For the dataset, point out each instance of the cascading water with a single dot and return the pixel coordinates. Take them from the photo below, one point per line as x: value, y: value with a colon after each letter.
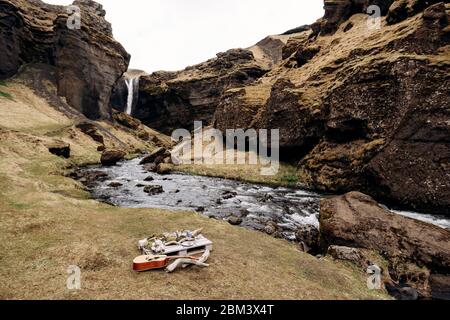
x: 133, y: 88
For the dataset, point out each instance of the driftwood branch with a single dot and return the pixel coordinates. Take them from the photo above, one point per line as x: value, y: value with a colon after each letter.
x: 179, y: 262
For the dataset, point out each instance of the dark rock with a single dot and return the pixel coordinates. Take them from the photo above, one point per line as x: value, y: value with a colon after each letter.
x: 353, y: 255
x: 150, y: 167
x: 298, y: 30
x: 304, y: 55
x: 91, y: 130
x: 140, y: 185
x: 226, y: 195
x: 60, y: 149
x: 308, y: 237
x: 153, y: 190
x: 149, y: 178
x: 91, y: 178
x: 200, y: 209
x: 348, y: 26
x: 338, y: 11
x: 399, y: 239
x: 400, y: 10
x: 235, y: 221
x: 101, y: 148
x: 402, y: 292
x: 111, y: 157
x: 152, y: 157
x: 271, y: 228
x: 115, y: 184
x: 163, y: 169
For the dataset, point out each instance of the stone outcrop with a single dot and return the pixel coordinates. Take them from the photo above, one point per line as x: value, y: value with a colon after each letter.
x: 356, y: 220
x: 418, y: 254
x: 88, y: 60
x: 111, y: 157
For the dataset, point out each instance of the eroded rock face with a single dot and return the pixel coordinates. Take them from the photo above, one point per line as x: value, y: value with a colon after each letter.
x: 356, y: 220
x: 172, y: 100
x: 89, y: 61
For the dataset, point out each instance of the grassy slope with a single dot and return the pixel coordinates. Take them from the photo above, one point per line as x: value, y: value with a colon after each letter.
x: 47, y: 222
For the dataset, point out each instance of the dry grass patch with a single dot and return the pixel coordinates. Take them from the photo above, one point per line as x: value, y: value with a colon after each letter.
x: 47, y: 223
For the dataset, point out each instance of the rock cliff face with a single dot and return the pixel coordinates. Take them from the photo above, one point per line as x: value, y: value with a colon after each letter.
x: 88, y: 60
x: 361, y: 109
x: 172, y: 100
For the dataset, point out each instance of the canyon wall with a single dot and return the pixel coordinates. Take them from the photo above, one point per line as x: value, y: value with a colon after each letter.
x: 88, y: 60
x: 358, y: 108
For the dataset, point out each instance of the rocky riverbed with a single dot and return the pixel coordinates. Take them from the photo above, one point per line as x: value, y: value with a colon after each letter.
x: 278, y: 211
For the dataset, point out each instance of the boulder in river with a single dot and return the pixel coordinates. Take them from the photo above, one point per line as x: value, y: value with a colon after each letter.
x: 91, y: 129
x: 154, y: 155
x: 111, y: 157
x: 163, y: 168
x: 90, y: 178
x: 115, y: 184
x: 414, y: 249
x: 235, y: 221
x: 153, y: 190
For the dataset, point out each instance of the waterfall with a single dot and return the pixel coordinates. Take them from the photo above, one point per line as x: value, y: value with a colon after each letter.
x: 133, y: 90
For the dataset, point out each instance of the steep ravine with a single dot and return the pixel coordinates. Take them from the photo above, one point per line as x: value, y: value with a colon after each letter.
x: 357, y: 108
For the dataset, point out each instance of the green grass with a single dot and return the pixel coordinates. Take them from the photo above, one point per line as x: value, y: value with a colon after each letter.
x: 5, y: 95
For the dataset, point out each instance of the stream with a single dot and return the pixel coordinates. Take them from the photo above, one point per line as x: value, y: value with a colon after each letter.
x: 253, y: 206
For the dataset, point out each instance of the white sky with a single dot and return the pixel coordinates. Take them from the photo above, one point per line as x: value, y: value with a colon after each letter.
x: 173, y: 34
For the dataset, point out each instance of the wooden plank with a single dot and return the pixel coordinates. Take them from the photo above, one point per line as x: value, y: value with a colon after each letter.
x: 199, y: 243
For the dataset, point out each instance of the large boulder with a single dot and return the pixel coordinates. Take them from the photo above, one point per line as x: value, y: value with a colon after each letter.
x: 356, y: 220
x: 153, y: 190
x: 157, y: 154
x: 88, y: 60
x: 111, y: 157
x: 338, y: 11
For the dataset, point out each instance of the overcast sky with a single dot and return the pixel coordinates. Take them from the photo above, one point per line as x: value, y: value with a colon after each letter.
x: 172, y: 34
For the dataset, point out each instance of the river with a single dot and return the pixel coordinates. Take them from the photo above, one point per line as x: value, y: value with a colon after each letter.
x: 257, y: 207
